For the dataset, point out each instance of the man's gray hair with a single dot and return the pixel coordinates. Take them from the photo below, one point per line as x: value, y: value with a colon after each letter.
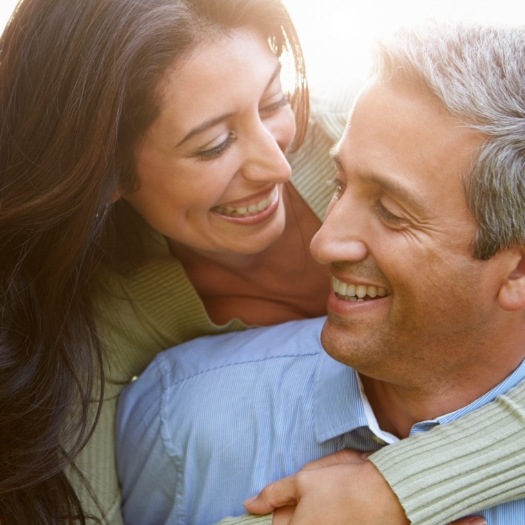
x: 478, y: 74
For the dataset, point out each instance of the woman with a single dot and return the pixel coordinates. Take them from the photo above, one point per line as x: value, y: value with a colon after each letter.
x: 135, y: 215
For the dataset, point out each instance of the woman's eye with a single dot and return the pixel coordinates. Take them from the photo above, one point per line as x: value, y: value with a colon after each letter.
x: 216, y: 151
x: 387, y: 216
x: 271, y: 108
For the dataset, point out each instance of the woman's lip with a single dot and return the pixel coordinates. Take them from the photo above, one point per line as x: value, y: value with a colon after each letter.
x: 247, y: 201
x: 248, y: 207
x: 247, y: 217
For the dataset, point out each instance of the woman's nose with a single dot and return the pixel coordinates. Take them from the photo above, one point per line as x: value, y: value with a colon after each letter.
x: 266, y: 157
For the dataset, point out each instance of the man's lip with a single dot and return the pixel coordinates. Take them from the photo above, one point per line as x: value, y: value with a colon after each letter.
x: 356, y: 288
x: 352, y: 308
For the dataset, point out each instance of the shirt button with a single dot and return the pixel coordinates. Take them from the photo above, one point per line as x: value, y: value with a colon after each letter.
x: 378, y: 440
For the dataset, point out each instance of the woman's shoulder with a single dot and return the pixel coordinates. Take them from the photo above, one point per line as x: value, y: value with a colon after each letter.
x: 145, y: 309
x: 312, y: 166
x: 330, y: 107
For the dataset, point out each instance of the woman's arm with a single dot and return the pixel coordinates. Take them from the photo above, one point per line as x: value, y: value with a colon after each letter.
x: 471, y: 464
x: 248, y: 520
x: 454, y: 470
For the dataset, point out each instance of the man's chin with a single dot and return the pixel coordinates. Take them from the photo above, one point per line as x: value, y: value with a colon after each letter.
x: 337, y: 340
x: 351, y: 345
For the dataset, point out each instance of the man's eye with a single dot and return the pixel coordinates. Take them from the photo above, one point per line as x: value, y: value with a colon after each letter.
x: 388, y: 217
x: 216, y: 151
x: 339, y: 188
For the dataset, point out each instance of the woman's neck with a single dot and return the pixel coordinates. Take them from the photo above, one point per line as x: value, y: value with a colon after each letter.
x: 276, y: 285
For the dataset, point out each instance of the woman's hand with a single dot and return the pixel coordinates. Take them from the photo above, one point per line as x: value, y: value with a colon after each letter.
x: 341, y: 489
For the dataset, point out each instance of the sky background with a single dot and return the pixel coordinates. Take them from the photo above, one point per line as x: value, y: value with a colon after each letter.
x: 337, y: 34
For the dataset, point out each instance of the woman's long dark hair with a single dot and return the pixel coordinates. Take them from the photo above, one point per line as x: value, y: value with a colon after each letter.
x: 78, y: 90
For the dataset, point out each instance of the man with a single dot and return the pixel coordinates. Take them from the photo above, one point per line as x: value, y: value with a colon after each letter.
x: 425, y: 323
x: 477, y: 77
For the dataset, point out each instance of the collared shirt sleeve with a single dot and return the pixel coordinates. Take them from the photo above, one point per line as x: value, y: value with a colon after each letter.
x: 206, y: 425
x: 148, y: 471
x: 480, y: 466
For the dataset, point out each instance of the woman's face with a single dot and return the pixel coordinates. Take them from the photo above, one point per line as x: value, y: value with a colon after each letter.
x: 211, y: 167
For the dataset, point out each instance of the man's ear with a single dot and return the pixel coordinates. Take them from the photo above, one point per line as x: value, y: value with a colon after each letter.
x: 512, y: 292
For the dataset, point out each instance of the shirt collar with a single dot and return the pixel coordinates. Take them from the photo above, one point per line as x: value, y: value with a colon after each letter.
x: 340, y: 406
x: 509, y: 382
x: 337, y: 403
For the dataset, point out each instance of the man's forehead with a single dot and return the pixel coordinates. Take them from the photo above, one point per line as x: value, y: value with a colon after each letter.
x: 411, y: 110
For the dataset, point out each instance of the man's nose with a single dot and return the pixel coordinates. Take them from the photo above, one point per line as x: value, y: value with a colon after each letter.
x: 341, y: 237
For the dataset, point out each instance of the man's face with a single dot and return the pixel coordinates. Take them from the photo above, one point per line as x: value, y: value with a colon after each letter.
x: 409, y: 298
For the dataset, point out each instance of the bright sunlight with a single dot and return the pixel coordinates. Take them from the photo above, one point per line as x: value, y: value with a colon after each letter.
x: 337, y: 34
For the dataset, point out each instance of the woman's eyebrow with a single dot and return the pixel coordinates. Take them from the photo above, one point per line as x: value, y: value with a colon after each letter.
x: 213, y: 121
x: 203, y: 127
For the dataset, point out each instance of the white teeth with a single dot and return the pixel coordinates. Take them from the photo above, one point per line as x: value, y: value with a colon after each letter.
x: 246, y: 211
x: 360, y: 291
x: 353, y: 292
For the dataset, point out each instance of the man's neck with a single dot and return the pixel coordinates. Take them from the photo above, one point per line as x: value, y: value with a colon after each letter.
x: 410, y: 398
x: 397, y: 409
x: 389, y: 409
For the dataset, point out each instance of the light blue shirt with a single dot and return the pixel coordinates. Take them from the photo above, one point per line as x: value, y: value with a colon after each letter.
x: 212, y: 421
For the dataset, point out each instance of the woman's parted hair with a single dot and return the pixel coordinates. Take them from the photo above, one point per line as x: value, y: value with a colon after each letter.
x: 79, y: 87
x: 478, y: 74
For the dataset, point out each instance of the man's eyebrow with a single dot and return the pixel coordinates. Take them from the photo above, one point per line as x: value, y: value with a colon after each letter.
x: 213, y: 121
x: 336, y: 159
x: 393, y: 187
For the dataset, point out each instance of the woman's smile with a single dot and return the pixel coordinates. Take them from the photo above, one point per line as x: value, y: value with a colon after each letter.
x: 257, y: 207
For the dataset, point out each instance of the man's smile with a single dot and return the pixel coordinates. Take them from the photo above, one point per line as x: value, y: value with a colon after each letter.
x: 356, y: 292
